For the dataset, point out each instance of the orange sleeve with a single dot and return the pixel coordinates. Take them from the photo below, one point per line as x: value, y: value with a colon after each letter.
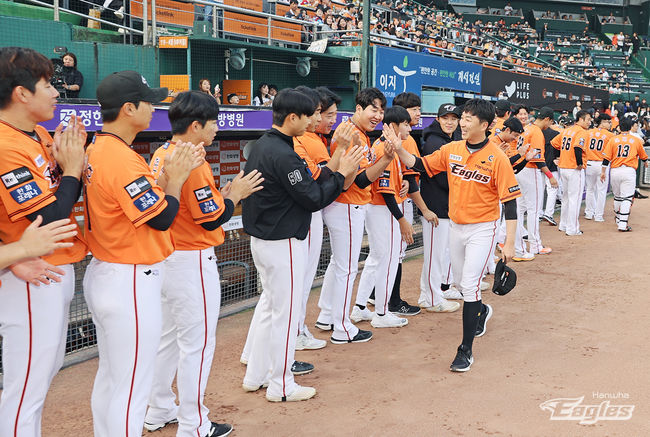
x: 608, y: 149
x: 301, y: 150
x: 157, y: 163
x: 24, y: 188
x: 556, y: 142
x: 537, y: 141
x: 410, y: 146
x: 201, y: 195
x: 580, y: 140
x: 641, y: 151
x: 436, y: 162
x: 385, y: 183
x: 504, y: 179
x: 136, y: 191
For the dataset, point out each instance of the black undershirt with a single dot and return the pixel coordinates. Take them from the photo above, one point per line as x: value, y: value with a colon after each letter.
x: 391, y: 203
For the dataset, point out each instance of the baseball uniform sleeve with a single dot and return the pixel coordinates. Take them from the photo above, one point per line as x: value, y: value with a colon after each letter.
x: 504, y: 179
x: 301, y: 150
x: 556, y: 142
x: 537, y: 142
x: 24, y: 188
x: 436, y: 162
x: 201, y: 196
x: 641, y: 151
x: 136, y: 192
x: 608, y: 149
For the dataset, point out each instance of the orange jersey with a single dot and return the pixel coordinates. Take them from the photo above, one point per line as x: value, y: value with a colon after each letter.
x: 570, y: 138
x: 30, y: 178
x: 498, y: 124
x: 597, y: 140
x: 500, y: 144
x: 533, y: 138
x: 477, y: 181
x: 201, y: 202
x: 311, y: 148
x: 410, y: 146
x: 624, y: 150
x: 390, y: 181
x: 120, y: 197
x: 355, y: 195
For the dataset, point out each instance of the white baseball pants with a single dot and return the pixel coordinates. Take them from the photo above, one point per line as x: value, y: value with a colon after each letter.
x: 623, y: 187
x: 532, y: 194
x: 436, y: 264
x: 571, y: 200
x: 33, y: 326
x: 125, y: 303
x: 596, y: 190
x: 314, y: 243
x: 552, y: 193
x: 407, y: 210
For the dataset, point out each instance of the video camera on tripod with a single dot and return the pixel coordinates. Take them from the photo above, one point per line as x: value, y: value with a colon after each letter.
x: 58, y: 79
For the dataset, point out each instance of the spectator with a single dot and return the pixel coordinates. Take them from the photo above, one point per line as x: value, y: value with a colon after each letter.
x: 262, y: 97
x: 636, y: 43
x: 577, y: 109
x: 294, y: 12
x: 620, y: 41
x: 205, y: 87
x: 273, y: 91
x: 508, y: 9
x: 73, y: 80
x: 233, y: 99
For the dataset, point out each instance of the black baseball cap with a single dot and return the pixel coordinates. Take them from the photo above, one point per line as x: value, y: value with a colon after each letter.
x: 505, y: 279
x: 514, y: 124
x: 545, y: 112
x: 503, y: 105
x: 448, y: 108
x: 127, y: 86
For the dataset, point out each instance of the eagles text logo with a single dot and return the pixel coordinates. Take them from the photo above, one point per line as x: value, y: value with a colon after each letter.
x: 473, y: 175
x: 574, y: 409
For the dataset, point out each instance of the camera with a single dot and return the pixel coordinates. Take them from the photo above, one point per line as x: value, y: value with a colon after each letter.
x: 58, y: 79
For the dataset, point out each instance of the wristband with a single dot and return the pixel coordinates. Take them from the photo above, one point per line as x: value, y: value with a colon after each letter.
x: 548, y: 174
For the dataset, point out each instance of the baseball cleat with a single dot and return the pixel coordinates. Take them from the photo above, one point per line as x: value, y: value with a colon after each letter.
x: 445, y: 307
x: 463, y: 360
x: 301, y: 368
x: 482, y: 320
x: 404, y: 309
x: 627, y: 229
x: 371, y: 301
x: 324, y: 326
x: 523, y: 257
x: 361, y: 337
x: 388, y: 320
x: 219, y: 430
x: 576, y: 234
x: 252, y: 388
x: 244, y: 361
x: 452, y: 293
x: 306, y: 341
x: 550, y: 220
x: 151, y: 427
x: 484, y: 285
x: 360, y: 315
x: 599, y: 219
x: 589, y: 217
x: 545, y: 251
x: 299, y: 394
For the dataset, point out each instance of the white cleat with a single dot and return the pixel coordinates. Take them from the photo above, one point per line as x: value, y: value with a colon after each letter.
x: 360, y: 315
x: 388, y: 320
x: 452, y: 293
x: 306, y: 341
x: 445, y: 307
x: 299, y: 394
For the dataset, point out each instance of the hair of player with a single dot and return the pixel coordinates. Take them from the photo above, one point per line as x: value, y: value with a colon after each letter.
x: 311, y: 93
x: 396, y: 114
x: 327, y: 98
x: 626, y: 123
x: 191, y: 106
x: 407, y: 100
x: 110, y: 115
x: 501, y: 112
x: 21, y: 67
x: 514, y: 124
x: 602, y: 117
x: 580, y: 115
x: 289, y: 101
x: 482, y: 109
x: 367, y: 96
x: 517, y: 108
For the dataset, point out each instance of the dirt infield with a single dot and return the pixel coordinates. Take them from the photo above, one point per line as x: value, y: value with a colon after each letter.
x: 576, y: 325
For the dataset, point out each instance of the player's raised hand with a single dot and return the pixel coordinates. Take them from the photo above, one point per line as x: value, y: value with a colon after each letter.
x: 243, y: 186
x: 179, y: 163
x: 349, y: 164
x: 68, y: 147
x: 198, y: 153
x: 504, y: 146
x: 343, y: 136
x: 40, y: 240
x: 406, y: 230
x: 36, y: 271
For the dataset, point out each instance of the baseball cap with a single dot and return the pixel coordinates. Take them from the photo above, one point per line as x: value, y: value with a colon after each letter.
x: 505, y: 279
x: 127, y: 86
x: 545, y: 112
x: 503, y: 105
x: 447, y: 108
x: 514, y: 124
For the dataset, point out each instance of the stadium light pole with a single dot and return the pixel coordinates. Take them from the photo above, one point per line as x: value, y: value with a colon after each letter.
x: 365, y: 45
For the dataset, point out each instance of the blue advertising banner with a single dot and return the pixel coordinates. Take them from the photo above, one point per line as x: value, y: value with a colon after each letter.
x: 397, y: 71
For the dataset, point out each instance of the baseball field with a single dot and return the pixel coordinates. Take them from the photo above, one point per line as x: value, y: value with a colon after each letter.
x: 571, y: 336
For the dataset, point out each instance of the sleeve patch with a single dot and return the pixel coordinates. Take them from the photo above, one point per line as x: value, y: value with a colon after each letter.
x: 384, y: 183
x: 203, y: 193
x: 26, y: 192
x: 16, y: 177
x: 514, y: 189
x: 208, y: 206
x: 294, y: 177
x: 385, y: 174
x: 146, y: 201
x: 138, y: 186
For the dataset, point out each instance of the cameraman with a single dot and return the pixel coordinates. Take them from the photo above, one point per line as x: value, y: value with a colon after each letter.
x: 73, y: 80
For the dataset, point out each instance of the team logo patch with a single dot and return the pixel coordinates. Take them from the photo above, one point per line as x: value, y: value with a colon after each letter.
x: 146, y: 201
x: 385, y: 174
x: 16, y: 177
x: 39, y: 161
x: 26, y: 192
x: 455, y: 157
x: 384, y: 183
x: 581, y: 142
x: 203, y: 193
x: 138, y: 186
x: 208, y: 206
x: 514, y: 189
x: 469, y: 175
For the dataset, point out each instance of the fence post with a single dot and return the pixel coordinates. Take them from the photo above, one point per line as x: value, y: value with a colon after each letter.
x: 268, y: 33
x: 56, y: 10
x: 154, y: 24
x: 145, y: 23
x: 214, y: 21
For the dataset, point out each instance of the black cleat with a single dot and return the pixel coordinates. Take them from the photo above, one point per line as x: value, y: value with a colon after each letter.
x: 404, y: 309
x: 301, y: 368
x: 324, y: 326
x: 219, y: 430
x: 463, y: 360
x: 361, y: 337
x: 482, y: 320
x: 639, y: 195
x: 550, y: 220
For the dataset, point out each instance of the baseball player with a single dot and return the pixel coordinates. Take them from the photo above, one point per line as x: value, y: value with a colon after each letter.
x: 551, y: 155
x: 532, y: 188
x: 623, y: 153
x: 503, y: 110
x: 40, y: 176
x: 191, y: 293
x: 571, y: 143
x: 436, y: 276
x: 127, y: 217
x: 345, y: 220
x: 386, y: 227
x: 597, y: 189
x: 480, y: 176
x: 278, y: 218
